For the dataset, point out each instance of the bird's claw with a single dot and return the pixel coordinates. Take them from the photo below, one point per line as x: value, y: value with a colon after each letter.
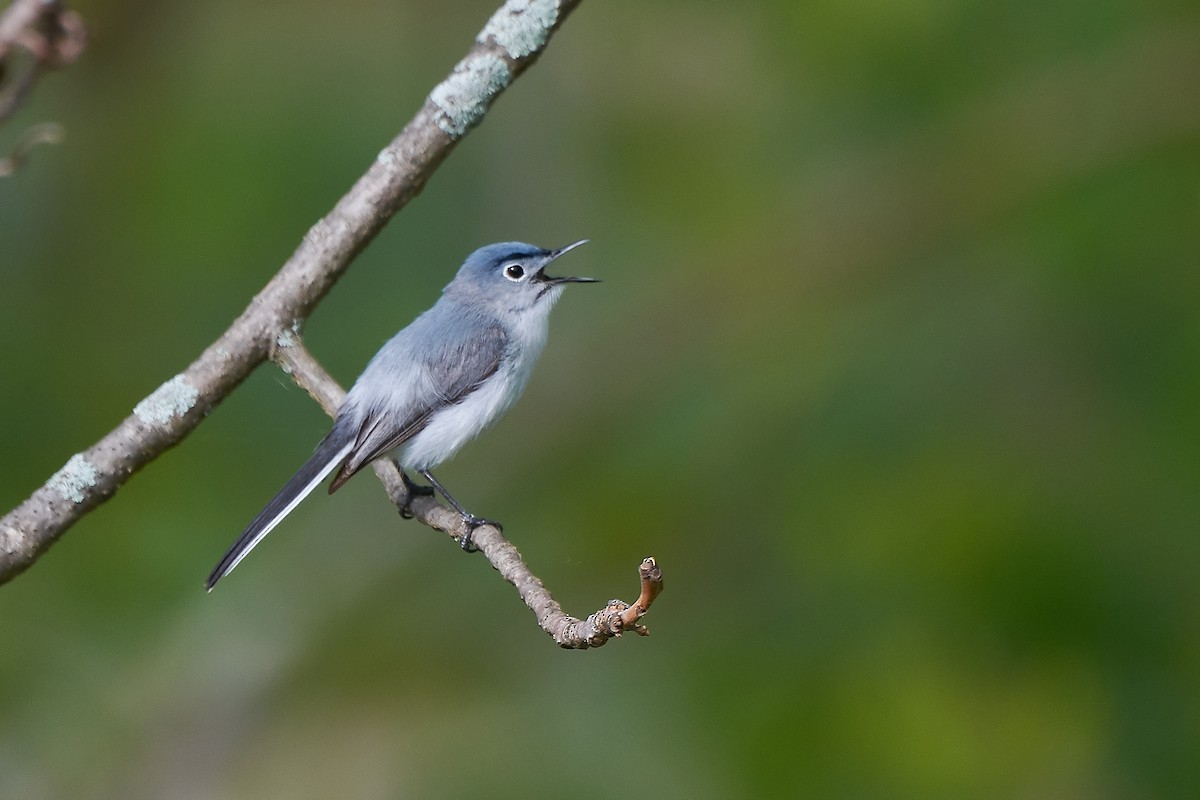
x: 473, y: 522
x: 414, y: 490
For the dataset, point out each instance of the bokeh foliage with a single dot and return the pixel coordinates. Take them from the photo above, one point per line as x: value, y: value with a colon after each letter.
x: 894, y: 369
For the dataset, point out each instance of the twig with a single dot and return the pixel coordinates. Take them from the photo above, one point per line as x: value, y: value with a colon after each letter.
x: 569, y: 632
x: 20, y: 16
x: 42, y: 133
x: 52, y: 34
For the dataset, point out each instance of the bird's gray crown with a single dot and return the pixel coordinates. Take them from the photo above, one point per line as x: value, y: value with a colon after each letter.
x: 489, y: 258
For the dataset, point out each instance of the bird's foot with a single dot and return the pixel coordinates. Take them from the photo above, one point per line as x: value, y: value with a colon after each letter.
x: 466, y: 542
x: 470, y: 520
x: 414, y: 490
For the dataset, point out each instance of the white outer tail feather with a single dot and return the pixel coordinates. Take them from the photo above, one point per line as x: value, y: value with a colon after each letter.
x: 330, y: 465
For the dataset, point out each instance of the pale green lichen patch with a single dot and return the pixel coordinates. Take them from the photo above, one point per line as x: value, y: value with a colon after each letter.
x: 387, y: 157
x: 173, y: 399
x: 10, y: 540
x: 464, y: 96
x: 289, y: 337
x: 76, y: 475
x: 521, y: 26
x: 317, y: 233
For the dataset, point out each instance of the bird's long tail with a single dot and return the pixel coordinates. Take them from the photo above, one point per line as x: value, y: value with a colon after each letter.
x: 330, y: 453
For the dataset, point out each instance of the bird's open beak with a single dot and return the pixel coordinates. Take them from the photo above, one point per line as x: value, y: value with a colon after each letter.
x: 555, y: 254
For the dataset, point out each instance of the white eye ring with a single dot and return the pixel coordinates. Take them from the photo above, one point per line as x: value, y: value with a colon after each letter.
x: 514, y: 272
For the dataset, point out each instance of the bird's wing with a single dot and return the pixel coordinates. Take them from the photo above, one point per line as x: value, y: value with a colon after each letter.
x: 450, y: 372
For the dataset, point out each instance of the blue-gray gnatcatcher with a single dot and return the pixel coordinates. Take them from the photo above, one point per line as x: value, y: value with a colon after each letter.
x: 436, y: 384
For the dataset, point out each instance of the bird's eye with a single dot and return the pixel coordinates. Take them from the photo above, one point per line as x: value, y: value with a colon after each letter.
x: 514, y: 272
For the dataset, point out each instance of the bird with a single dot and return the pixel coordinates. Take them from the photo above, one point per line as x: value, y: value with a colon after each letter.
x: 435, y: 385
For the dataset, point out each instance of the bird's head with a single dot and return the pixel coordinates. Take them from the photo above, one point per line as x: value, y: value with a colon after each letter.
x: 512, y: 276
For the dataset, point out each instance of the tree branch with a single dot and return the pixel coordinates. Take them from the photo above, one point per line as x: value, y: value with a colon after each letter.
x: 270, y: 328
x: 508, y: 44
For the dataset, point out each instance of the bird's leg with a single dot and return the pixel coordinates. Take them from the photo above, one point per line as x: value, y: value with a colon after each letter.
x: 413, y: 490
x: 472, y: 521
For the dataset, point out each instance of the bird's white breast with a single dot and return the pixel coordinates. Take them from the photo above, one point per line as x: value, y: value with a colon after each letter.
x: 455, y: 425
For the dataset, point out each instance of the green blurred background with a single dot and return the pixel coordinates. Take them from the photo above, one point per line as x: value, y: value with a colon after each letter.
x: 894, y: 369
